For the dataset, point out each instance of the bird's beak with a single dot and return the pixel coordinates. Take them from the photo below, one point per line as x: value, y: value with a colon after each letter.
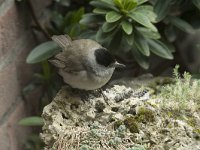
x: 118, y: 65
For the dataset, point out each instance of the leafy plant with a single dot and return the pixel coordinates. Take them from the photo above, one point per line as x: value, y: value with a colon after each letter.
x: 34, y: 142
x: 140, y: 27
x: 128, y: 23
x: 67, y: 23
x: 134, y: 25
x: 31, y: 121
x: 42, y: 52
x: 183, y: 94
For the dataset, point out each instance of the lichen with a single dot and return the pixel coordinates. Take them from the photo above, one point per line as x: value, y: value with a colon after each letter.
x: 117, y: 124
x: 145, y: 115
x: 132, y: 124
x: 160, y: 82
x: 197, y: 131
x: 125, y: 119
x: 183, y: 95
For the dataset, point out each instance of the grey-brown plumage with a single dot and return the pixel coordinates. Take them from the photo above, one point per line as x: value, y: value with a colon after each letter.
x: 83, y: 64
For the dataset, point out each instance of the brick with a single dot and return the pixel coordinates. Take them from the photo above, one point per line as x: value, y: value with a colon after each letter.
x: 12, y: 135
x: 12, y: 26
x: 9, y: 88
x: 1, y: 1
x: 24, y: 70
x: 39, y: 6
x: 17, y: 134
x: 4, y: 139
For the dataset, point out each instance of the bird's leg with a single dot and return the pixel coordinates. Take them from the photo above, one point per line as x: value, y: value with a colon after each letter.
x: 104, y: 96
x: 84, y: 95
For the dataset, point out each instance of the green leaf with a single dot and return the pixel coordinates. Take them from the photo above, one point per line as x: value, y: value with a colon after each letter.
x: 31, y: 121
x: 103, y: 5
x: 118, y: 3
x: 101, y: 36
x: 129, y: 4
x: 129, y: 38
x: 108, y: 2
x: 116, y: 41
x: 90, y: 18
x: 57, y: 19
x: 99, y: 11
x: 77, y: 15
x: 148, y: 11
x: 139, y: 2
x: 29, y: 88
x: 46, y: 69
x: 65, y: 3
x: 181, y: 24
x: 196, y: 3
x: 141, y: 44
x: 160, y: 49
x: 141, y: 59
x: 89, y: 34
x: 148, y: 33
x: 127, y: 27
x: 39, y: 76
x: 43, y: 52
x: 112, y: 16
x: 142, y: 19
x: 107, y: 27
x: 161, y: 8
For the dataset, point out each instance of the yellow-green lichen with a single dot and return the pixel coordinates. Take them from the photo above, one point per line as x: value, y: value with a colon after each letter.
x: 145, y: 115
x: 157, y: 83
x: 131, y: 124
x: 197, y: 130
x: 118, y: 123
x: 192, y: 122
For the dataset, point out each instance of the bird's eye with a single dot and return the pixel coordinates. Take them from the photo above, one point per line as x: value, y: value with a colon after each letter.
x: 104, y: 57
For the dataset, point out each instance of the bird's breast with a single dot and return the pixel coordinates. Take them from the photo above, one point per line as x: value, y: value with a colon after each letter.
x: 86, y: 80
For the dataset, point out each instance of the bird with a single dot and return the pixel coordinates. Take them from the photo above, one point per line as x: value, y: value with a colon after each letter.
x: 83, y: 63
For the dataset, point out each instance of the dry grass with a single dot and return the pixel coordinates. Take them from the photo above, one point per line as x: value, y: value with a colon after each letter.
x: 96, y: 137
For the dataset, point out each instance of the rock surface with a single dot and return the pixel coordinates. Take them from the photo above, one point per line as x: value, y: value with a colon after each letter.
x: 126, y: 116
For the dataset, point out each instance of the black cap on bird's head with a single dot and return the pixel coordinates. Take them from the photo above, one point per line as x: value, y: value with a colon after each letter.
x: 104, y: 58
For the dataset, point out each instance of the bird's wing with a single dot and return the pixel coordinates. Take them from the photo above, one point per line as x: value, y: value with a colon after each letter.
x: 68, y: 62
x: 62, y: 40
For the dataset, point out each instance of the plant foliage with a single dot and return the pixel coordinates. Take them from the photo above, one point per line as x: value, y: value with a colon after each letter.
x: 183, y: 94
x: 140, y: 27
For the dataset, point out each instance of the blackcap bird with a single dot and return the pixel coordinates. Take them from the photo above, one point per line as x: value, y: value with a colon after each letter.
x: 83, y: 64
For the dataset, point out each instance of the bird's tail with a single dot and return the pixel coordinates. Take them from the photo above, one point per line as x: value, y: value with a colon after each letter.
x: 62, y: 40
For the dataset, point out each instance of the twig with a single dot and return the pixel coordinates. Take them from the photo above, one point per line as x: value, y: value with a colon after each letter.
x: 46, y: 34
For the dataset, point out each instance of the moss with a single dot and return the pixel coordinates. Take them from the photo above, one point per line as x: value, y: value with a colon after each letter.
x: 84, y: 147
x: 197, y: 130
x: 176, y: 114
x: 117, y: 124
x: 160, y: 82
x: 145, y: 115
x: 196, y: 133
x: 192, y: 122
x: 131, y: 124
x: 183, y: 95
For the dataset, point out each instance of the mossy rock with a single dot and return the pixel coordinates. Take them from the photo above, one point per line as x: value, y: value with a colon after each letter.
x: 132, y: 124
x: 145, y: 115
x: 118, y: 123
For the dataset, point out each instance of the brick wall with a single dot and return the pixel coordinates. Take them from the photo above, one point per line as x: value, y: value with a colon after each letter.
x: 16, y: 40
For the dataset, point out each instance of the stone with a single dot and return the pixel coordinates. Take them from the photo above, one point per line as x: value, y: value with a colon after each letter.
x: 78, y: 120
